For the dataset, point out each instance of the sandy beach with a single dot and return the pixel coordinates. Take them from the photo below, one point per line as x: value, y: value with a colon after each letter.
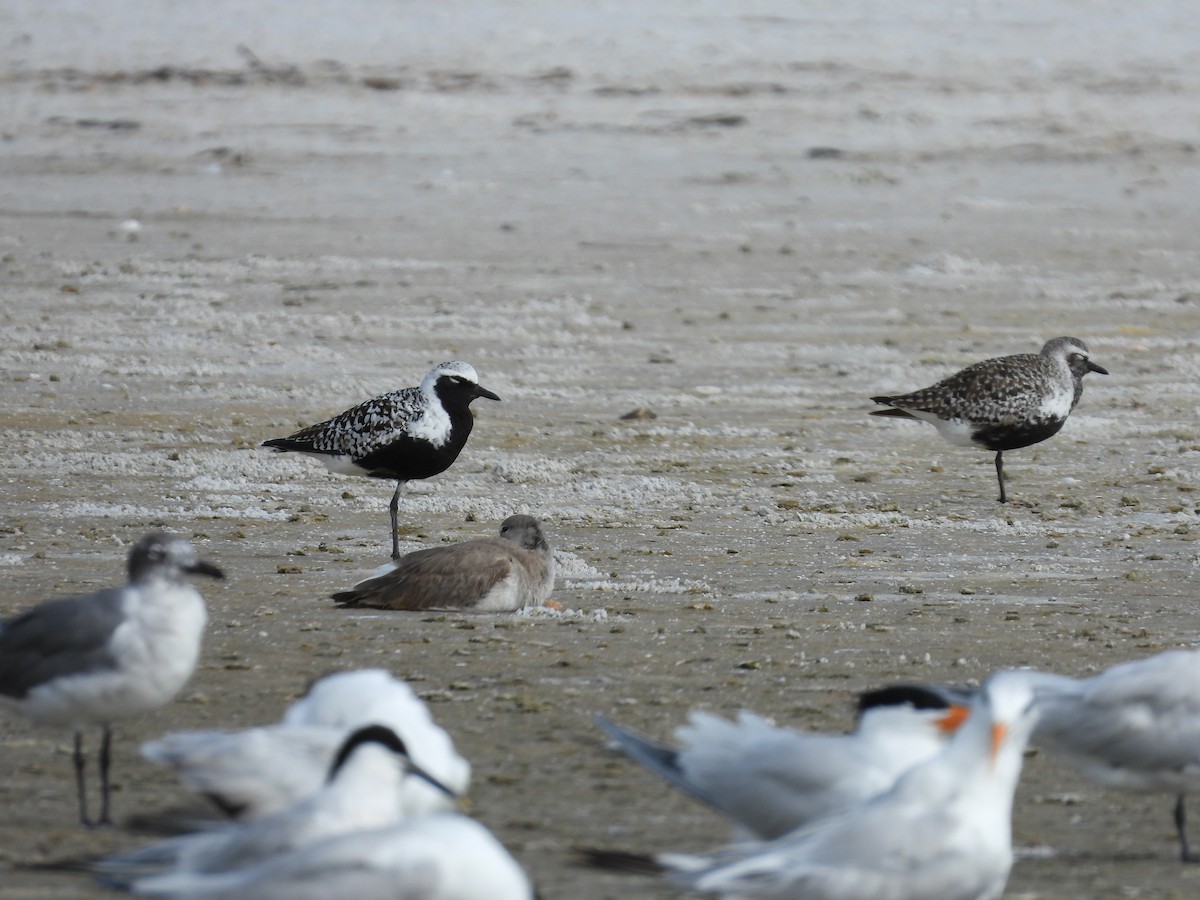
x: 745, y: 218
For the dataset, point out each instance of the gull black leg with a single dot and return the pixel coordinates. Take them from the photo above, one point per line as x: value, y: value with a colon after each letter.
x: 1185, y: 855
x: 80, y: 788
x: 394, y: 508
x: 105, y: 761
x: 1000, y: 474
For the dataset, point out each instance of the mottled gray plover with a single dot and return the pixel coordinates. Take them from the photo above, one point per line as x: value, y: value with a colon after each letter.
x: 403, y: 435
x: 1003, y: 403
x: 495, y: 574
x: 770, y: 780
x: 116, y: 654
x: 363, y: 790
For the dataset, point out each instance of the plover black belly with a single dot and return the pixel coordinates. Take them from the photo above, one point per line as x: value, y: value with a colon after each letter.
x: 496, y: 574
x: 1003, y: 403
x: 403, y: 435
x: 116, y: 654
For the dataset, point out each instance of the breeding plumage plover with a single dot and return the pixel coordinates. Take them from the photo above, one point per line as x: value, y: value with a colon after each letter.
x: 403, y: 435
x: 1003, y: 403
x: 116, y: 654
x: 495, y: 574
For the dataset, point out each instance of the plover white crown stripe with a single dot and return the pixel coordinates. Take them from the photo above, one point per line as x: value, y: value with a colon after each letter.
x: 115, y: 654
x: 404, y: 435
x: 1002, y: 403
x: 495, y: 574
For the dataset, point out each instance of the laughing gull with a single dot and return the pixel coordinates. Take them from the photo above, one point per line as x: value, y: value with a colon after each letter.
x: 495, y: 574
x: 943, y: 830
x: 1003, y: 403
x: 363, y: 790
x: 770, y: 780
x: 412, y: 433
x: 253, y: 773
x: 116, y: 654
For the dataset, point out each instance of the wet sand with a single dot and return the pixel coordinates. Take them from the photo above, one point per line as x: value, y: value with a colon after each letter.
x: 747, y: 223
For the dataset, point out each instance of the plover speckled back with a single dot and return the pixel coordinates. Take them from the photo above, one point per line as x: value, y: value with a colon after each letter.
x: 412, y: 433
x: 1003, y: 403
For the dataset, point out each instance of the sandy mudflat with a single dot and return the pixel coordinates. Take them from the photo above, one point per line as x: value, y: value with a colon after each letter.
x: 746, y: 218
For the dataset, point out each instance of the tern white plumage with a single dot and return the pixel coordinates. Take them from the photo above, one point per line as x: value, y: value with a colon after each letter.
x: 444, y: 856
x: 255, y: 772
x: 364, y: 791
x: 115, y: 654
x: 1135, y: 726
x: 770, y: 780
x: 943, y: 830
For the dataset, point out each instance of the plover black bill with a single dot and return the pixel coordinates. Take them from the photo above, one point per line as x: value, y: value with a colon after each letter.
x: 1003, y: 403
x: 404, y: 435
x: 115, y: 654
x: 495, y: 574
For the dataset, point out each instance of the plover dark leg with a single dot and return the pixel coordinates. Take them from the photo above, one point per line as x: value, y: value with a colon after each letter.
x: 1000, y: 474
x: 394, y: 509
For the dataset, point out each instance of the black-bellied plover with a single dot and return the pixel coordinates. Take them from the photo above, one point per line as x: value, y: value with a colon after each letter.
x: 1135, y: 726
x: 1003, y: 403
x: 495, y: 574
x: 403, y: 435
x: 254, y: 773
x: 111, y: 655
x: 769, y: 780
x: 363, y: 790
x: 943, y: 830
